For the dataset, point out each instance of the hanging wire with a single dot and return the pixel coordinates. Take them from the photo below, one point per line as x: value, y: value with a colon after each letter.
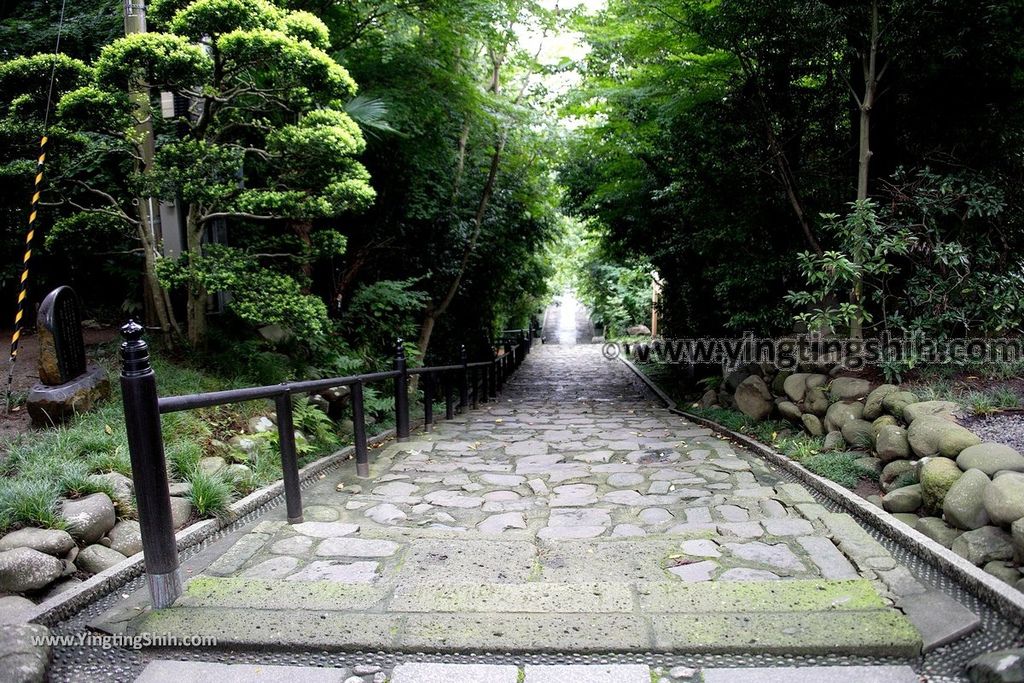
x: 33, y: 214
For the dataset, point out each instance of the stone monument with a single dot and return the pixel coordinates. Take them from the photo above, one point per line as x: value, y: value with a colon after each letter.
x: 68, y: 385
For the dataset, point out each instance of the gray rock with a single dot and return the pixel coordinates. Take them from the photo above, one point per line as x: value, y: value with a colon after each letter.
x: 891, y: 443
x: 937, y: 530
x: 937, y: 475
x: 385, y: 513
x: 96, y: 558
x: 816, y: 401
x: 753, y: 398
x: 50, y: 541
x: 905, y: 499
x: 237, y: 473
x: 848, y: 388
x: 964, y: 504
x: 795, y: 386
x: 179, y: 489
x: 638, y: 330
x: 15, y: 609
x: 789, y: 411
x: 883, y: 421
x: 983, y: 545
x: 708, y: 399
x: 859, y: 434
x: 812, y: 423
x: 840, y: 413
x: 734, y: 379
x: 213, y: 464
x: 181, y: 511
x: 89, y: 518
x: 870, y: 463
x: 943, y: 409
x: 897, y: 401
x: 244, y: 443
x: 23, y: 659
x: 1004, y: 498
x: 834, y: 441
x: 25, y: 569
x: 894, y: 471
x: 873, y: 403
x: 930, y: 435
x: 1003, y: 571
x: 124, y: 487
x: 260, y: 424
x: 126, y: 537
x: 1001, y: 666
x: 990, y: 457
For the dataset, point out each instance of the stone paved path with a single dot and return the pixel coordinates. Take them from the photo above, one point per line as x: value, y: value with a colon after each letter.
x: 574, y: 515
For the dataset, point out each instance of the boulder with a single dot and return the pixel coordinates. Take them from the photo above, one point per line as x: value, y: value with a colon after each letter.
x: 181, y: 511
x: 779, y: 382
x: 212, y: 465
x: 50, y: 541
x: 816, y: 401
x: 24, y: 654
x: 930, y: 435
x: 734, y: 379
x: 795, y: 386
x: 990, y: 457
x: 246, y: 444
x: 869, y: 463
x: 126, y: 537
x: 1017, y: 533
x: 904, y: 499
x: 96, y: 558
x: 937, y: 475
x: 25, y: 569
x: 893, y: 473
x: 1001, y: 666
x: 1003, y: 571
x: 49, y: 405
x: 1004, y: 498
x: 937, y: 530
x: 812, y: 424
x: 897, y: 401
x: 754, y: 399
x: 943, y: 409
x: 964, y: 504
x: 638, y: 331
x: 89, y: 518
x: 790, y: 411
x: 848, y: 388
x: 259, y: 424
x: 710, y: 398
x: 15, y: 609
x: 859, y: 434
x: 237, y: 473
x: 980, y: 546
x: 873, y: 403
x: 839, y: 414
x: 834, y: 441
x: 891, y: 443
x: 124, y: 487
x: 884, y: 421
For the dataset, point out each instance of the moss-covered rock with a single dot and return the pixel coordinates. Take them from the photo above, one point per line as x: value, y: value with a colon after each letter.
x: 944, y: 409
x: 904, y: 499
x: 990, y: 457
x: 834, y: 441
x: 937, y: 475
x: 897, y: 471
x: 789, y: 411
x: 840, y: 413
x: 816, y: 401
x: 873, y: 403
x: 891, y: 443
x: 964, y: 504
x: 897, y: 401
x: 938, y: 530
x: 848, y: 388
x: 812, y: 423
x: 859, y: 434
x: 1004, y: 498
x: 930, y: 435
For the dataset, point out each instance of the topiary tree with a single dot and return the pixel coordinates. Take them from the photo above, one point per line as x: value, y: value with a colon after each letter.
x: 265, y: 140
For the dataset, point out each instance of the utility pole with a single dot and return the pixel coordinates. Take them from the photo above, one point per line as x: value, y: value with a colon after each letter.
x: 149, y: 214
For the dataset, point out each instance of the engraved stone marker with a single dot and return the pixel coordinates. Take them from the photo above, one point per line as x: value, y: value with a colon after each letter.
x: 61, y: 346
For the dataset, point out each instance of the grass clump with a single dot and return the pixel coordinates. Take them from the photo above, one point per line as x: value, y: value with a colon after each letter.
x: 211, y: 494
x: 29, y: 503
x: 841, y: 468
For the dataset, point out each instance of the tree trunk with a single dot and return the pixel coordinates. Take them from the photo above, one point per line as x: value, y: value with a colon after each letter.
x: 196, y: 295
x: 864, y: 160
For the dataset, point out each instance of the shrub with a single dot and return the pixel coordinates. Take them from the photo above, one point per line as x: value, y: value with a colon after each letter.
x: 210, y: 494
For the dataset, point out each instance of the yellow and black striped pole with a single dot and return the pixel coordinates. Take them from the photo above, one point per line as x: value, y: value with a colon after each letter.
x: 23, y: 291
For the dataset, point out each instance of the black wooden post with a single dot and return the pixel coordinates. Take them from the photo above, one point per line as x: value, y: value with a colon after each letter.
x: 449, y: 397
x: 463, y: 378
x: 401, y: 392
x: 359, y: 431
x: 492, y: 376
x: 428, y: 401
x: 149, y: 468
x: 289, y: 458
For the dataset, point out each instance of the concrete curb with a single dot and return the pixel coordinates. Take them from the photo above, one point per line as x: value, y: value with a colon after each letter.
x: 64, y: 604
x: 1001, y: 597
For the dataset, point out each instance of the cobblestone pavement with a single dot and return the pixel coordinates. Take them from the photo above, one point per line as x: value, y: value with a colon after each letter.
x: 574, y: 514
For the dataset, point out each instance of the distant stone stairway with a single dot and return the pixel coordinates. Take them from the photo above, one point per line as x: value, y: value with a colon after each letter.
x: 573, y: 516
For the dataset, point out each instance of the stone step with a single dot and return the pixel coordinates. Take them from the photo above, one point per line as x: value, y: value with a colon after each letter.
x: 776, y: 617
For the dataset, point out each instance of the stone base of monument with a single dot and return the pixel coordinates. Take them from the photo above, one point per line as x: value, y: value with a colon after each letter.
x: 50, y: 405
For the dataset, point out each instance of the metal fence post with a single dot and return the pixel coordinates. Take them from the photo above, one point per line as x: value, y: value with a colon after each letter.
x: 149, y: 468
x: 359, y: 431
x: 428, y: 401
x: 289, y: 458
x: 449, y: 397
x: 401, y: 392
x: 463, y: 378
